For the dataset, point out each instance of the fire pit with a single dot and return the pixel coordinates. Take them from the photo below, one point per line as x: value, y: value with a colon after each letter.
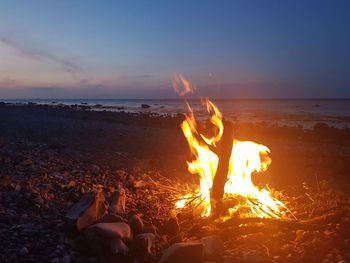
x: 225, y: 166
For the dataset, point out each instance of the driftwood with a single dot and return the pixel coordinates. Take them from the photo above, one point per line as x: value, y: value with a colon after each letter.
x: 220, y: 177
x: 272, y: 222
x: 331, y: 217
x: 317, y: 223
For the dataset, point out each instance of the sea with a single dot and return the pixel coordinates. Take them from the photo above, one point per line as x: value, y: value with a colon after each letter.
x: 283, y: 112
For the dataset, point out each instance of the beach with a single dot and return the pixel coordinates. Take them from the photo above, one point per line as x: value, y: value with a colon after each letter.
x: 50, y: 155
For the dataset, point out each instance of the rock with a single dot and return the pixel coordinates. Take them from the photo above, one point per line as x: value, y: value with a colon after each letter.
x: 213, y: 248
x: 56, y: 144
x: 321, y: 127
x: 72, y: 184
x: 23, y: 251
x: 90, y: 243
x: 55, y: 260
x: 113, y: 219
x: 172, y: 226
x: 143, y: 244
x: 117, y: 205
x: 183, y: 253
x: 145, y: 106
x: 150, y: 229
x: 112, y: 230
x: 87, y: 211
x: 66, y: 259
x: 136, y: 225
x: 95, y: 169
x: 118, y: 247
x: 253, y: 256
x: 138, y: 184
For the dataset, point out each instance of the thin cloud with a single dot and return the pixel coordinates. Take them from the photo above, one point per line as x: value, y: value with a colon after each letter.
x: 7, y: 82
x: 35, y: 54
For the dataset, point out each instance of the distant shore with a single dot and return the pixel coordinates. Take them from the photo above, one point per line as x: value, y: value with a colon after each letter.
x: 281, y: 112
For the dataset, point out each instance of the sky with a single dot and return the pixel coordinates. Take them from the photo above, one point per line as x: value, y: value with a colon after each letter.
x: 131, y: 49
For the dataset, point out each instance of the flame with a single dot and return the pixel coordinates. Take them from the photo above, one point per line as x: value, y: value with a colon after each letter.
x: 181, y: 85
x: 246, y: 158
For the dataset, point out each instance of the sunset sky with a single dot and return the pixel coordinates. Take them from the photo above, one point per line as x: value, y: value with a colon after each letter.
x: 130, y: 49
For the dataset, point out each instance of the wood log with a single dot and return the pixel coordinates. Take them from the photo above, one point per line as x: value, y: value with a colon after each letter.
x: 317, y: 223
x: 331, y: 217
x: 220, y: 177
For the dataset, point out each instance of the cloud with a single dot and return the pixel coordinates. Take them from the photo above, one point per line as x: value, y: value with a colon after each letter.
x: 41, y: 55
x: 7, y: 82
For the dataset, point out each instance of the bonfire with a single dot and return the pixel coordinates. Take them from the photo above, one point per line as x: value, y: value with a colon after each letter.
x: 224, y: 166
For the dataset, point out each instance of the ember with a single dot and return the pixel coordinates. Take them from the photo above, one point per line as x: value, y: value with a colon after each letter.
x: 243, y: 159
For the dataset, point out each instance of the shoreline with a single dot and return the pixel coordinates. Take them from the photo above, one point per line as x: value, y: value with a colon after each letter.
x: 293, y: 117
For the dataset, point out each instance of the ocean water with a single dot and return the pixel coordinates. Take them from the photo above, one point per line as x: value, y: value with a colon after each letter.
x: 289, y: 112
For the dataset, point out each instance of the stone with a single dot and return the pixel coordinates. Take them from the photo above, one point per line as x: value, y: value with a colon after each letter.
x: 72, y: 184
x: 110, y: 218
x: 118, y: 247
x: 145, y: 106
x: 172, y: 226
x: 150, y: 229
x: 95, y: 168
x: 183, y: 253
x: 253, y: 256
x: 56, y: 144
x: 91, y: 208
x: 118, y: 200
x: 112, y: 230
x: 136, y: 224
x: 143, y: 244
x: 23, y: 251
x: 66, y: 259
x: 138, y: 184
x: 321, y: 127
x: 213, y: 248
x: 90, y: 243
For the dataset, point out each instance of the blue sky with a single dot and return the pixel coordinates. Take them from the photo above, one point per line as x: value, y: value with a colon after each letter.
x: 130, y: 49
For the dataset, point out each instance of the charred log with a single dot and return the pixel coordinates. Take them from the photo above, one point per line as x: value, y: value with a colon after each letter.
x: 220, y: 178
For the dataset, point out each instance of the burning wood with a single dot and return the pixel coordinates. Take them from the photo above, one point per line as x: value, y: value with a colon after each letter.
x: 225, y: 172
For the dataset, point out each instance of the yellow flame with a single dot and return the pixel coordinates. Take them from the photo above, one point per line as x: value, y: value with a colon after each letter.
x: 246, y: 158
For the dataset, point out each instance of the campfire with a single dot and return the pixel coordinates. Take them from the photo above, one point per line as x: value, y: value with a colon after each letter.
x: 225, y: 166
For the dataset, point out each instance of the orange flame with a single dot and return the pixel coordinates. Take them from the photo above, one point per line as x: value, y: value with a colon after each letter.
x: 246, y: 157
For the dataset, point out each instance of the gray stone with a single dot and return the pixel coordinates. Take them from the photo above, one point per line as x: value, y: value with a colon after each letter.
x: 145, y: 106
x: 183, y: 253
x: 136, y: 225
x: 23, y: 251
x: 91, y: 208
x: 118, y: 200
x: 113, y: 219
x: 213, y: 248
x: 172, y: 226
x: 112, y: 230
x: 118, y: 247
x: 66, y: 259
x: 143, y: 244
x: 150, y: 229
x: 95, y: 168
